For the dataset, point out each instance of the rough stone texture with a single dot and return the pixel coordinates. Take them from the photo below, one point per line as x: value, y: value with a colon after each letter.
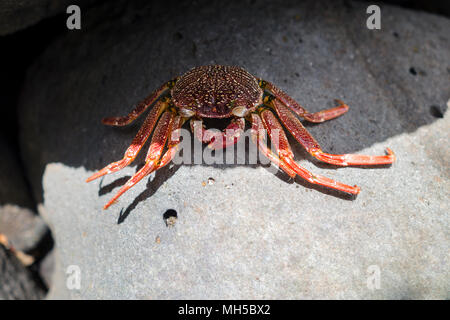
x: 16, y: 281
x: 19, y: 14
x: 18, y: 222
x: 252, y: 233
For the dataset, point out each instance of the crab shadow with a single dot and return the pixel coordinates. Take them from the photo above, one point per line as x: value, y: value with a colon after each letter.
x: 152, y: 186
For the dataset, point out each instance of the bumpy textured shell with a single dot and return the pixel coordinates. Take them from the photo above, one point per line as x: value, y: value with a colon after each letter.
x: 213, y: 91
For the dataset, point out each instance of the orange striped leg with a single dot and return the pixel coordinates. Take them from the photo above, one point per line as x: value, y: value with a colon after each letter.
x: 137, y: 143
x: 316, y: 117
x: 154, y: 153
x: 300, y: 133
x: 257, y: 133
x: 218, y: 140
x: 173, y: 143
x: 140, y: 108
x: 276, y: 132
x: 328, y: 114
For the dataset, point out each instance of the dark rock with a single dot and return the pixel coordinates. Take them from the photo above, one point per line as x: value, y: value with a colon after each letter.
x: 18, y: 222
x: 19, y: 14
x: 16, y: 282
x: 47, y: 268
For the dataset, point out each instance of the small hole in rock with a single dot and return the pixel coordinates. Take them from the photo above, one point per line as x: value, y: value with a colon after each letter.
x: 396, y: 34
x: 170, y: 213
x: 436, y: 112
x: 170, y: 217
x: 412, y: 71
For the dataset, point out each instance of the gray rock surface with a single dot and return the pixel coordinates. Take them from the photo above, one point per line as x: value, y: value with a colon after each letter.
x: 18, y: 222
x: 19, y: 14
x: 252, y: 233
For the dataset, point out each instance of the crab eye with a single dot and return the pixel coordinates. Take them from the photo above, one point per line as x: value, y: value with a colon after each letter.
x: 239, y: 111
x: 186, y: 113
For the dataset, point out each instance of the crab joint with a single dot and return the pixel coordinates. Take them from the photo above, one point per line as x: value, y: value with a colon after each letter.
x: 240, y: 111
x: 268, y: 98
x: 262, y: 84
x: 186, y: 113
x: 172, y: 83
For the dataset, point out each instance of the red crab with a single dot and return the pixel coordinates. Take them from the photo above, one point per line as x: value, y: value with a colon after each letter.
x: 229, y: 92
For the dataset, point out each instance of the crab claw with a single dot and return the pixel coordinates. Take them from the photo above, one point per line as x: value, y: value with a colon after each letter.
x: 229, y: 136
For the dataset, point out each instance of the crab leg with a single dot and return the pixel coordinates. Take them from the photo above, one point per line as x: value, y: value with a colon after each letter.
x: 137, y: 143
x: 173, y: 143
x: 140, y: 108
x: 316, y: 117
x: 218, y: 140
x: 276, y: 131
x: 154, y: 153
x: 309, y: 143
x: 258, y: 138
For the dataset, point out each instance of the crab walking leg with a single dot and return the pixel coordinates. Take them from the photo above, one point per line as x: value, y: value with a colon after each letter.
x: 257, y: 133
x: 316, y: 117
x: 328, y: 114
x: 309, y: 143
x: 154, y: 153
x: 218, y: 140
x: 137, y: 143
x: 354, y: 159
x: 276, y: 132
x: 140, y: 108
x: 173, y: 143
